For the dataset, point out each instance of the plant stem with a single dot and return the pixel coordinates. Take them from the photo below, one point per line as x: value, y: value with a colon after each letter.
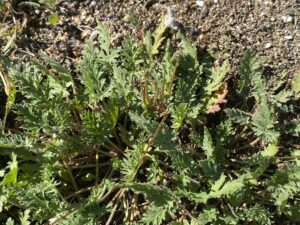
x: 172, y: 80
x: 73, y: 181
x: 116, y: 148
x: 113, y: 211
x: 147, y: 148
x: 97, y: 168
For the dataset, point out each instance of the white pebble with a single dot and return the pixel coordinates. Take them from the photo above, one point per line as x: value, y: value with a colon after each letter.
x: 216, y: 1
x: 169, y: 20
x: 287, y: 19
x: 288, y: 37
x: 200, y: 3
x: 268, y: 45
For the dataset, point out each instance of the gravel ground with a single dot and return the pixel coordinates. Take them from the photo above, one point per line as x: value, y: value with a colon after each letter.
x: 225, y: 27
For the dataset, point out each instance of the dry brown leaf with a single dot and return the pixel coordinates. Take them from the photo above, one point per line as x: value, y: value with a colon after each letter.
x: 218, y: 98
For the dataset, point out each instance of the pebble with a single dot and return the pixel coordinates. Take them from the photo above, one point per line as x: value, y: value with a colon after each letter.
x: 60, y: 45
x: 130, y: 2
x: 195, y: 31
x: 216, y: 1
x: 287, y: 19
x: 77, y: 20
x: 82, y: 17
x: 288, y: 37
x: 200, y: 4
x: 94, y: 35
x: 89, y: 19
x: 204, y: 12
x: 169, y: 20
x: 85, y: 33
x: 268, y: 45
x: 126, y: 18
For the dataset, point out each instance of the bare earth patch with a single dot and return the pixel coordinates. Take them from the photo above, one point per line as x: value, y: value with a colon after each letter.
x: 226, y: 28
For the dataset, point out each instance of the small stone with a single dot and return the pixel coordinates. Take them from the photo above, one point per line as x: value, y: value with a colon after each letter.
x: 93, y: 3
x: 126, y: 18
x: 118, y: 36
x: 94, y: 35
x: 89, y: 19
x: 200, y: 4
x: 204, y: 12
x: 195, y: 31
x: 77, y: 20
x: 37, y: 11
x: 287, y: 19
x: 60, y: 45
x: 216, y: 1
x: 273, y: 19
x: 84, y: 13
x: 169, y: 20
x: 288, y: 37
x: 82, y: 17
x: 203, y: 38
x: 85, y: 33
x: 268, y: 45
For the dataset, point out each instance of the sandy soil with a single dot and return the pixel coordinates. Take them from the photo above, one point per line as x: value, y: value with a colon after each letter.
x: 224, y: 27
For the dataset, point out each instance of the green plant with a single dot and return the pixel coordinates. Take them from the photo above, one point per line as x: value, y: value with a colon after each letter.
x: 137, y: 131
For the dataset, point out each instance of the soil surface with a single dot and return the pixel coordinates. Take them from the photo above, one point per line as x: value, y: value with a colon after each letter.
x: 225, y: 27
